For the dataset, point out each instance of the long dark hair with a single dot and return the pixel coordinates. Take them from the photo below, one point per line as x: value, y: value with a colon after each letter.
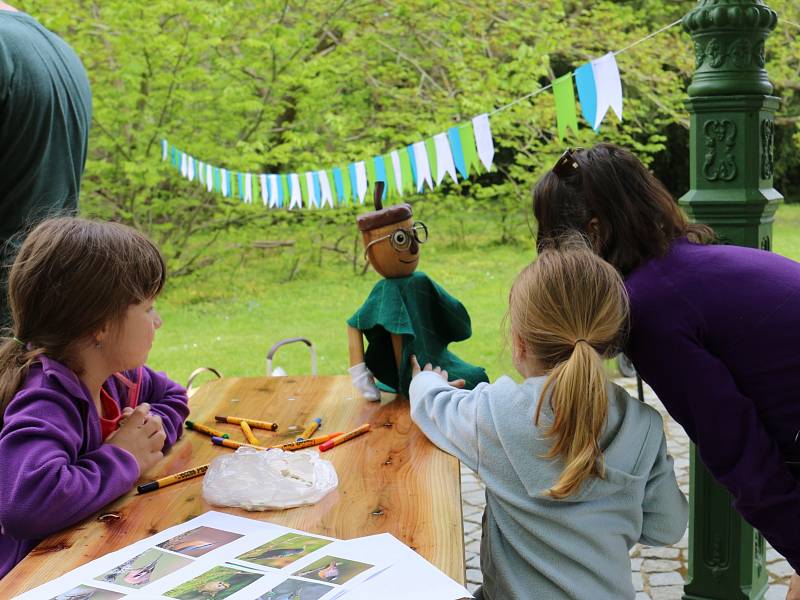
x: 70, y: 278
x: 638, y: 217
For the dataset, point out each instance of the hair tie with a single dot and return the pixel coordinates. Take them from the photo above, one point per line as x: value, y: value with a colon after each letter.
x: 19, y: 341
x: 580, y: 340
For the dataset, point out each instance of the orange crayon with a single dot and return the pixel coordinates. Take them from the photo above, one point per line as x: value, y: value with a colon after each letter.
x: 252, y: 422
x: 344, y: 437
x: 205, y: 429
x: 248, y: 434
x: 309, y: 431
x: 170, y: 479
x: 307, y: 443
x: 232, y: 444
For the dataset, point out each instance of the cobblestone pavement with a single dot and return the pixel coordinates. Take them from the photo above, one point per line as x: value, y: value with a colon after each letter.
x: 657, y: 573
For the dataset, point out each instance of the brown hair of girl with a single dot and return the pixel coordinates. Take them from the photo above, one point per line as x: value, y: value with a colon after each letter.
x: 71, y: 277
x: 570, y: 309
x: 638, y: 218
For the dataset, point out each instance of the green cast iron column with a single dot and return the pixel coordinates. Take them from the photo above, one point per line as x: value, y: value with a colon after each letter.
x: 731, y: 110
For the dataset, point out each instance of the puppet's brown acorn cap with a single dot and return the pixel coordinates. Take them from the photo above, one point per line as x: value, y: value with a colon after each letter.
x: 383, y: 216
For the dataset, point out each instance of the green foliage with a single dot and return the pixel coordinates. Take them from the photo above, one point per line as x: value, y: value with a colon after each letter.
x: 290, y: 85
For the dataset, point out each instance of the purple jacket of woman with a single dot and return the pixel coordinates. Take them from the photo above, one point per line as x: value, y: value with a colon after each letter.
x: 715, y: 330
x: 55, y: 469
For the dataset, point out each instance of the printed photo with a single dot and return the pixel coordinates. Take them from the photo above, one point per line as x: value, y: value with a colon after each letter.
x: 332, y: 569
x: 199, y: 541
x: 87, y: 592
x: 284, y: 550
x: 218, y: 583
x: 296, y: 589
x: 149, y: 566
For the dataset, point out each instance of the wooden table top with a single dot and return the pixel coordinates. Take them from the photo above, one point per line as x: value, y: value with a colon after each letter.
x: 391, y: 479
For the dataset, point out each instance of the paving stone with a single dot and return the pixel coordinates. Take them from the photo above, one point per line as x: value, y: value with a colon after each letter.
x: 474, y: 576
x: 683, y: 542
x: 776, y: 592
x: 673, y: 592
x: 654, y: 565
x: 664, y: 579
x: 638, y: 584
x: 773, y: 555
x: 780, y: 569
x: 474, y: 547
x: 636, y: 564
x: 667, y: 552
x: 643, y: 596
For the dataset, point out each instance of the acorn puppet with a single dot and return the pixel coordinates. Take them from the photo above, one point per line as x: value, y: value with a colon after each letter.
x: 407, y: 312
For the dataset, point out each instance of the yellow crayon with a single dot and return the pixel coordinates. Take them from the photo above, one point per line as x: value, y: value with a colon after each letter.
x: 205, y: 429
x: 307, y: 443
x: 343, y: 438
x: 248, y: 434
x: 309, y: 431
x: 231, y: 444
x: 170, y: 479
x: 252, y: 422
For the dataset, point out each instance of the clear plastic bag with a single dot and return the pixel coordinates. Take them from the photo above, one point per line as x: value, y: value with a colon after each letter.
x: 268, y: 479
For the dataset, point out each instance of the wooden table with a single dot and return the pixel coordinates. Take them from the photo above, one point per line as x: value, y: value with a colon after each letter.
x: 391, y: 479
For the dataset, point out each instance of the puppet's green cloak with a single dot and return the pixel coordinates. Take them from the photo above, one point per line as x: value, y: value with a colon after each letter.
x: 427, y: 317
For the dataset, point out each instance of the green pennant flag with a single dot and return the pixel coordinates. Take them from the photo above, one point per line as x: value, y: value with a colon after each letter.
x: 347, y: 187
x: 467, y: 135
x: 217, y: 180
x: 305, y: 191
x: 391, y: 187
x: 254, y: 178
x: 430, y: 150
x: 405, y: 171
x: 370, y: 166
x: 566, y: 113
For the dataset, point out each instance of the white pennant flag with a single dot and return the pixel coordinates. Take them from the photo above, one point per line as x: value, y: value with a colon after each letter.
x: 609, y: 87
x: 273, y: 191
x: 325, y: 188
x: 444, y: 159
x: 483, y: 139
x: 209, y: 178
x: 398, y: 176
x: 297, y: 194
x: 190, y: 169
x: 248, y: 188
x: 423, y: 167
x: 184, y: 167
x: 361, y: 180
x: 312, y: 200
x: 226, y: 182
x: 164, y: 149
x: 264, y: 189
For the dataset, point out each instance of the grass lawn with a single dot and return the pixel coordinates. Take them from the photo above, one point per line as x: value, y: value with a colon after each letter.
x: 229, y: 314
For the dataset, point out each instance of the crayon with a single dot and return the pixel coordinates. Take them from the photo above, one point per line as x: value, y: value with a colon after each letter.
x: 344, y: 437
x: 307, y: 443
x: 309, y: 431
x: 205, y: 429
x: 252, y: 422
x: 170, y: 479
x: 231, y: 444
x: 248, y: 434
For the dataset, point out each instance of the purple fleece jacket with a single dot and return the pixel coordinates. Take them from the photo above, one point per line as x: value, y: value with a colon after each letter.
x: 715, y: 331
x: 55, y: 469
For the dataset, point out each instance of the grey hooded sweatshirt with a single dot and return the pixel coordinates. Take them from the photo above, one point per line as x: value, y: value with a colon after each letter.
x: 534, y: 547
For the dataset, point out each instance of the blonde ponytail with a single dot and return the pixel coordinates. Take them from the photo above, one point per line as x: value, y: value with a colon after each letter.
x: 570, y: 309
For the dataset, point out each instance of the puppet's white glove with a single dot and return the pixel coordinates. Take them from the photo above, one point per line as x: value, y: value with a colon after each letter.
x: 364, y: 382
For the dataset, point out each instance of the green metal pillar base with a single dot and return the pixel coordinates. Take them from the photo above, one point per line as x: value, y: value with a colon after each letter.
x: 731, y: 190
x: 726, y: 556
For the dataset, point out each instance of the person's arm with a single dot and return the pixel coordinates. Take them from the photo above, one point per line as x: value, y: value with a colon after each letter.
x: 448, y: 416
x: 664, y: 507
x: 46, y: 484
x: 701, y: 394
x: 168, y: 400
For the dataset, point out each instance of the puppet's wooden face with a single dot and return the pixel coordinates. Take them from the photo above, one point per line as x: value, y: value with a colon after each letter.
x: 393, y: 250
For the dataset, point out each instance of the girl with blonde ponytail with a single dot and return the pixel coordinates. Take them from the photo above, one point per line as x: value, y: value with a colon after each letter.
x: 576, y: 471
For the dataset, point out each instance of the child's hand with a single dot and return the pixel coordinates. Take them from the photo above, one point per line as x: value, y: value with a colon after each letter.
x: 142, y: 434
x: 416, y: 370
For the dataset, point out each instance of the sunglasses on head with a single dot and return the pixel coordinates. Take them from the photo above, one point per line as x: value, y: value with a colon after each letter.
x: 566, y: 165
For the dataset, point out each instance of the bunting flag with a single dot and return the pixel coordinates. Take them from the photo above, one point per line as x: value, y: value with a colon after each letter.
x: 566, y: 115
x: 609, y: 87
x: 460, y: 151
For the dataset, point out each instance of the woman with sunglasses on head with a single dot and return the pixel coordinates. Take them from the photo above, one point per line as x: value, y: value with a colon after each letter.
x: 713, y: 328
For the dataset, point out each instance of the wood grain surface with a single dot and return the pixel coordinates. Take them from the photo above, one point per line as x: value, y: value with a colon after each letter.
x: 391, y: 479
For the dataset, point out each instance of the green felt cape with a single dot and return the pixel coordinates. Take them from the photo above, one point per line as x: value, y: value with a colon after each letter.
x: 427, y: 317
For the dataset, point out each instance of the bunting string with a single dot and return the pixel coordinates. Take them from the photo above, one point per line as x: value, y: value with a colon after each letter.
x: 461, y: 151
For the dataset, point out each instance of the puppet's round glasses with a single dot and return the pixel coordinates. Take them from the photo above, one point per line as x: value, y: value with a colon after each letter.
x: 400, y: 238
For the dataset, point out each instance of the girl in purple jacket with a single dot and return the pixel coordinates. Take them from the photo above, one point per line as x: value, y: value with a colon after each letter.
x: 82, y: 417
x: 713, y: 329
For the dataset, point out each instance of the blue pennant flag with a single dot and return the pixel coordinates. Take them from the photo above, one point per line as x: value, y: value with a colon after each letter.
x: 587, y: 92
x: 338, y: 183
x: 380, y: 174
x: 240, y: 184
x: 458, y: 152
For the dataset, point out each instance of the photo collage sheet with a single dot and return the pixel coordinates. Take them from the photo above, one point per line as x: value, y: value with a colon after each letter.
x: 222, y: 556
